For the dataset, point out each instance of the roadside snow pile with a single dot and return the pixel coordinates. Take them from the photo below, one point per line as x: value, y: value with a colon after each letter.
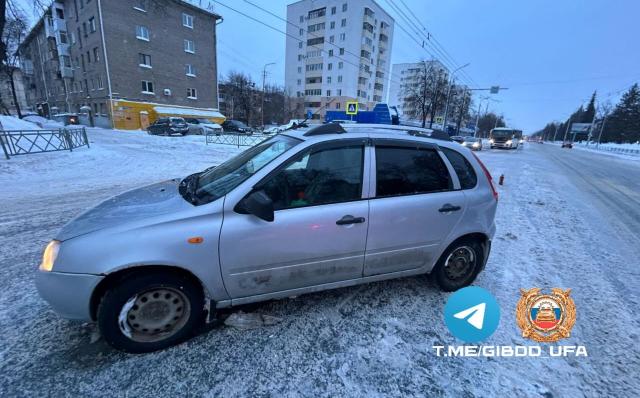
x: 43, y: 122
x: 13, y: 123
x: 627, y: 149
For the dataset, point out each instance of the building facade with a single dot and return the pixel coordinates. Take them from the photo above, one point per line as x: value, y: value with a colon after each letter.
x: 407, y: 75
x: 8, y: 102
x: 92, y: 54
x: 337, y: 51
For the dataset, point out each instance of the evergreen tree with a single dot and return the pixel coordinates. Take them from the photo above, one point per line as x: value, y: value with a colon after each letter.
x: 624, y: 123
x: 590, y: 112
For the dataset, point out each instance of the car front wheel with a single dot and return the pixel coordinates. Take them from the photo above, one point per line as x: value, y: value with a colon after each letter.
x: 149, y: 312
x: 459, y: 265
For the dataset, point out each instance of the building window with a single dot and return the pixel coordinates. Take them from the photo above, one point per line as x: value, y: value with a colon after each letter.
x: 301, y: 19
x: 333, y: 11
x: 145, y: 60
x: 343, y: 23
x: 344, y: 7
x: 299, y: 69
x: 100, y: 85
x: 299, y: 82
x: 328, y: 93
x: 140, y: 5
x: 329, y: 79
x: 343, y: 36
x: 340, y: 65
x: 63, y: 37
x: 96, y: 54
x: 92, y: 24
x: 147, y: 87
x: 342, y: 51
x: 189, y: 46
x: 66, y: 61
x: 329, y: 66
x: 190, y: 70
x: 331, y: 53
x: 340, y: 90
x: 340, y: 79
x: 187, y: 20
x: 142, y: 33
x: 88, y: 57
x: 84, y: 29
x: 332, y: 39
x: 300, y: 45
x: 73, y: 38
x: 301, y: 31
x: 337, y: 105
x: 192, y: 93
x: 332, y: 25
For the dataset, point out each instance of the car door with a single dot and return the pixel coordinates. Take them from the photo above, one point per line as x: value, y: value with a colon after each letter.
x: 319, y: 230
x: 417, y: 203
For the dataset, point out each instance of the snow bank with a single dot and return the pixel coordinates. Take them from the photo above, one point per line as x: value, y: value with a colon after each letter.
x: 43, y: 122
x: 13, y: 123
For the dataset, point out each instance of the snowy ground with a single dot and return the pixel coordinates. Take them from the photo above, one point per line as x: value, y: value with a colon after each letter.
x: 556, y: 228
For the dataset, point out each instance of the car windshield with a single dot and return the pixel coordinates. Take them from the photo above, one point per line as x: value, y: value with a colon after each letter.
x: 204, y: 121
x: 217, y: 182
x: 237, y: 123
x: 471, y: 139
x: 177, y: 120
x: 502, y: 133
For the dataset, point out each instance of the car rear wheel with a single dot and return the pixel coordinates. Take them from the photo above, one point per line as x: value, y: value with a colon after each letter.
x: 151, y: 312
x: 459, y: 265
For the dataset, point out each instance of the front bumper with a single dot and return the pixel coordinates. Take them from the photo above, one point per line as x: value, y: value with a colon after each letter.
x: 68, y: 294
x: 501, y: 145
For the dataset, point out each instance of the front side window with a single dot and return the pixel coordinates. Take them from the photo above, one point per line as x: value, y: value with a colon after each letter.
x: 408, y: 171
x: 317, y: 177
x: 217, y: 182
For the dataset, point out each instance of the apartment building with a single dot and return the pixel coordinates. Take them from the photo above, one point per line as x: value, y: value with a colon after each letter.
x: 407, y: 75
x: 119, y: 57
x: 338, y: 51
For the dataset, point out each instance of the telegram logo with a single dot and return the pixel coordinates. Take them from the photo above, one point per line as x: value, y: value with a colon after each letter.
x: 472, y: 314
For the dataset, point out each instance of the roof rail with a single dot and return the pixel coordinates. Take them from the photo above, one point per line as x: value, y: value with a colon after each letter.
x: 411, y: 130
x: 329, y: 128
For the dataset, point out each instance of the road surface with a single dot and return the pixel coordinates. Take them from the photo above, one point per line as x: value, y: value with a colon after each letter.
x: 565, y: 219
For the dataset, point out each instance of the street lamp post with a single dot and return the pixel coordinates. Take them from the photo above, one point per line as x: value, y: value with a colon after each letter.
x: 446, y: 106
x: 264, y: 76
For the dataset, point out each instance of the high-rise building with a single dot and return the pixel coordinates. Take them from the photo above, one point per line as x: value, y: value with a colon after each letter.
x: 337, y: 51
x: 117, y: 58
x: 406, y: 75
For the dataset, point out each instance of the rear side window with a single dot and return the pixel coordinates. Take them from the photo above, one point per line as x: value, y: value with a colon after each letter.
x: 463, y: 168
x: 407, y: 171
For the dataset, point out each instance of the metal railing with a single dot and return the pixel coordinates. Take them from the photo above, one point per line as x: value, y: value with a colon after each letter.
x: 235, y: 139
x: 23, y: 142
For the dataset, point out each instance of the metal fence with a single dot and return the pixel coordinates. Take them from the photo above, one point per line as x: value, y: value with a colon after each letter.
x: 235, y: 139
x: 22, y: 142
x: 627, y: 151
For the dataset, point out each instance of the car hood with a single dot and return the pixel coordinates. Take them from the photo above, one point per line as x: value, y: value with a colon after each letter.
x: 211, y: 125
x: 135, y: 205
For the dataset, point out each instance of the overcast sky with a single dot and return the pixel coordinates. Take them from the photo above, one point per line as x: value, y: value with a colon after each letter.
x: 550, y: 54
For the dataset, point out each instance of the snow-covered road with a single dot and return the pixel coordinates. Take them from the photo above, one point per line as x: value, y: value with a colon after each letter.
x: 556, y: 228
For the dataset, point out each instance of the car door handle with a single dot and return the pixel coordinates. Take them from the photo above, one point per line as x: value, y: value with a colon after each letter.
x: 449, y: 207
x: 349, y: 219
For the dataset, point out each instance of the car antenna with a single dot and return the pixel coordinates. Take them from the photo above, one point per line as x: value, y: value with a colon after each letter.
x: 307, y: 118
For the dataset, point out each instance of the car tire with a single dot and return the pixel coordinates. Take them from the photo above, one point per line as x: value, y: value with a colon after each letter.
x: 175, y: 310
x: 452, y: 272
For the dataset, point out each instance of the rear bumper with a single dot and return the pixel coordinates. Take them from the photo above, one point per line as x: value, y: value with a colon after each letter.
x: 68, y: 294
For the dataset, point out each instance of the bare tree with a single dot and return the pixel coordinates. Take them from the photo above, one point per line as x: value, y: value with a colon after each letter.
x: 14, y: 31
x: 423, y: 92
x: 460, y: 103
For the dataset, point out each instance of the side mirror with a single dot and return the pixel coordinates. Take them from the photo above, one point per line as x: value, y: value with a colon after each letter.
x: 258, y: 204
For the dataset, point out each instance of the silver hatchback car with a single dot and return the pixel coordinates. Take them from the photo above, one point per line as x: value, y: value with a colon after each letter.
x: 328, y: 207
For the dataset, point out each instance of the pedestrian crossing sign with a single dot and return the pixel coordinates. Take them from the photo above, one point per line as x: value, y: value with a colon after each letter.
x: 352, y: 108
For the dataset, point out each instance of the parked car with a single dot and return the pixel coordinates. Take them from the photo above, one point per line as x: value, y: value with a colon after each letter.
x: 201, y: 126
x: 67, y: 118
x: 168, y: 126
x: 236, y: 126
x: 457, y: 139
x: 473, y: 143
x: 567, y: 144
x: 153, y: 264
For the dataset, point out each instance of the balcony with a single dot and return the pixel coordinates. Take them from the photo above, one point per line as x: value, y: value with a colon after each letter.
x: 63, y: 49
x: 369, y: 19
x: 59, y: 25
x: 48, y: 28
x: 66, y: 72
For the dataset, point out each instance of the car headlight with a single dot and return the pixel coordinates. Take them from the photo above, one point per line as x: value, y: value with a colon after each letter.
x: 464, y: 144
x: 49, y: 256
x: 508, y: 142
x: 491, y: 141
x: 475, y: 145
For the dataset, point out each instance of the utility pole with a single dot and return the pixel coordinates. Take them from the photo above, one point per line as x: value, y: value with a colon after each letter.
x: 556, y: 133
x: 591, y: 128
x: 264, y: 77
x: 601, y: 129
x: 566, y: 131
x: 446, y: 106
x: 475, y: 131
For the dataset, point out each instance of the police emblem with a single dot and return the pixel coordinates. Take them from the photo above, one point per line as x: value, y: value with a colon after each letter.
x: 545, y: 318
